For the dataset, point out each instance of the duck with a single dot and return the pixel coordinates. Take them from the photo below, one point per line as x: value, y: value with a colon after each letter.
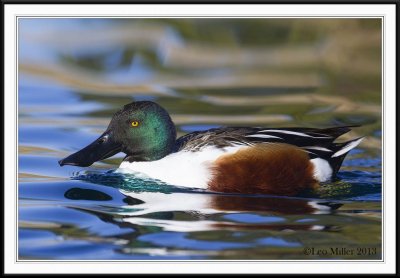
x: 246, y: 160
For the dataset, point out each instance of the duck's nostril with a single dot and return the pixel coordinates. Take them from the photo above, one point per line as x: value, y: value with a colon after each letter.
x: 102, y: 139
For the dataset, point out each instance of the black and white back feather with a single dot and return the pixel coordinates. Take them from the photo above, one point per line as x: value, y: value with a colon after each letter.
x: 318, y: 143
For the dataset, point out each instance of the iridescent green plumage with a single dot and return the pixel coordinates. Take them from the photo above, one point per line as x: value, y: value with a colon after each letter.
x: 152, y: 139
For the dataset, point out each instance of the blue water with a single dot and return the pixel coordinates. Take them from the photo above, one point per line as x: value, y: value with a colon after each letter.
x: 95, y: 213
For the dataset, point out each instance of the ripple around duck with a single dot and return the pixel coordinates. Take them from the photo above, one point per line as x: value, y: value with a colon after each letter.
x: 351, y: 184
x: 128, y: 182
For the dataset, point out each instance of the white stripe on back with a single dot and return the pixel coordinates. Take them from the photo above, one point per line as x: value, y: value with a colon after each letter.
x: 291, y: 132
x: 263, y: 136
x: 348, y: 147
x: 317, y: 148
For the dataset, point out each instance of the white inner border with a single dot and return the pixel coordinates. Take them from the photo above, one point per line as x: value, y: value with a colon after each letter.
x: 389, y: 162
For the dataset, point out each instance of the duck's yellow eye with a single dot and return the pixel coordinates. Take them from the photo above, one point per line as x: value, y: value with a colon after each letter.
x: 135, y: 123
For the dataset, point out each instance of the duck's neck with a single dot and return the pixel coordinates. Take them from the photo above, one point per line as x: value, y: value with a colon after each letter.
x: 148, y: 156
x: 153, y: 148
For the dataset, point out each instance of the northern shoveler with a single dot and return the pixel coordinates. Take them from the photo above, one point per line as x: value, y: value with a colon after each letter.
x: 278, y: 161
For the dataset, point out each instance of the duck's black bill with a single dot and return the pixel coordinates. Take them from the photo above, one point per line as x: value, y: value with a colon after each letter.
x: 100, y: 149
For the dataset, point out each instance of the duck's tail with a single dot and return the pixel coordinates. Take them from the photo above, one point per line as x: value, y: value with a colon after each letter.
x: 341, y: 150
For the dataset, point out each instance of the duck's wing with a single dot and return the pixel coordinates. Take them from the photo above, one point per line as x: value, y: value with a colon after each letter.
x: 318, y: 143
x: 307, y: 138
x: 217, y: 137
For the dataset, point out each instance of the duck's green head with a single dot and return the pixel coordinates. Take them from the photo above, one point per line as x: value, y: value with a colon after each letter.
x: 143, y: 130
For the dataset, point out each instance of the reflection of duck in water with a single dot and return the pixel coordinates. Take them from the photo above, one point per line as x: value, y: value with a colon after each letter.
x: 204, y: 210
x: 278, y: 161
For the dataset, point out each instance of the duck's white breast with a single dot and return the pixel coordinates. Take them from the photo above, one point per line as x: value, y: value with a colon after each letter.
x: 184, y: 168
